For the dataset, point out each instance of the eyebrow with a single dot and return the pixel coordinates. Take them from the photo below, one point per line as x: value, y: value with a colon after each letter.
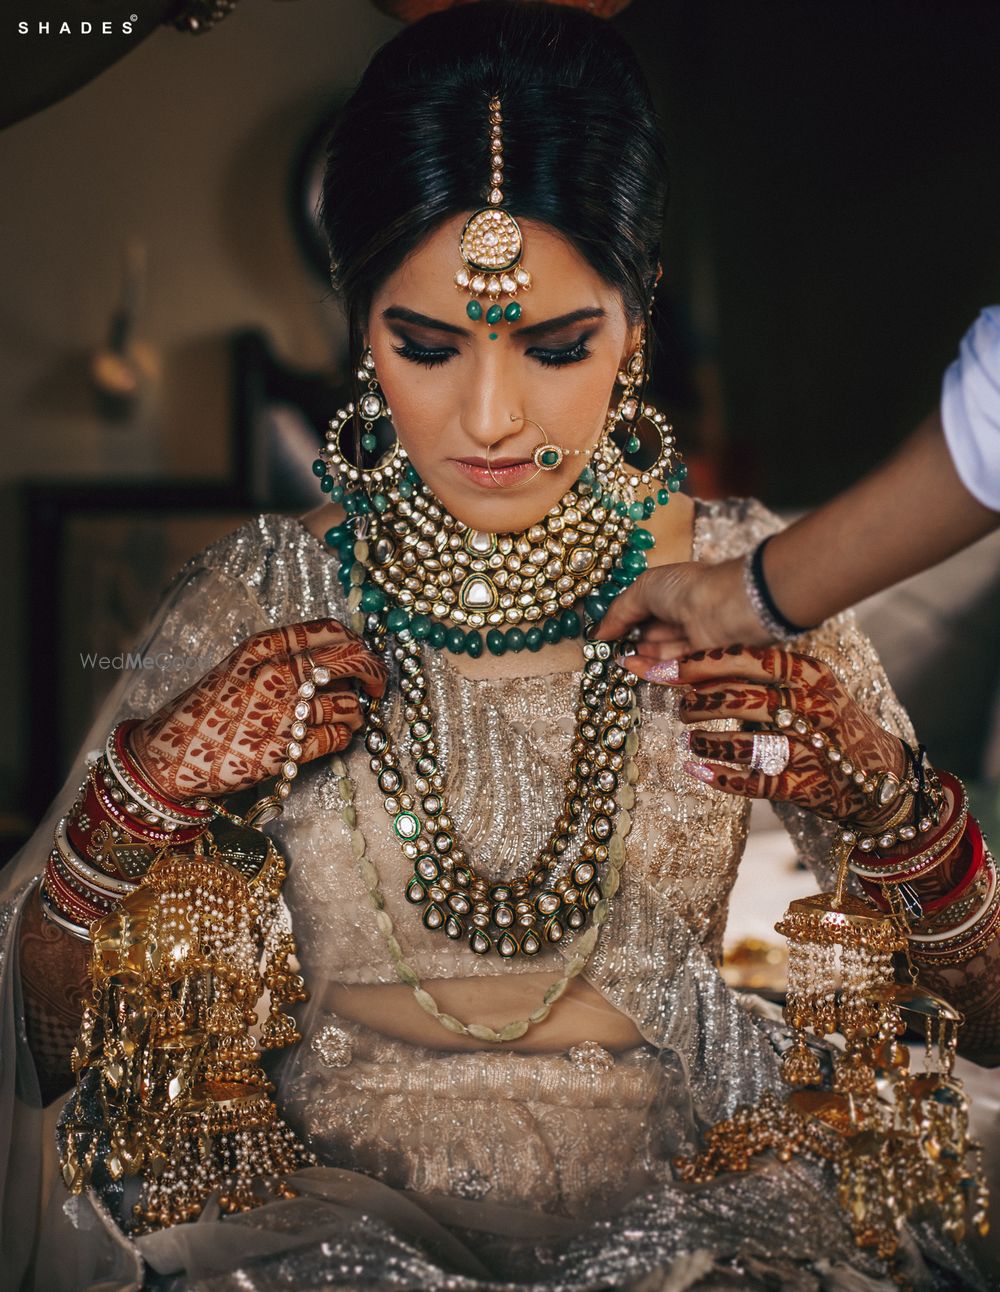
x: 403, y: 315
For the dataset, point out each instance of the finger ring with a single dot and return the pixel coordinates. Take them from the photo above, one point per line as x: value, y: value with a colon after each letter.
x: 312, y: 673
x: 784, y: 706
x: 771, y: 752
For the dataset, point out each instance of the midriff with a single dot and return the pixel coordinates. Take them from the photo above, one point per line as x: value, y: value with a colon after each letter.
x: 580, y: 1014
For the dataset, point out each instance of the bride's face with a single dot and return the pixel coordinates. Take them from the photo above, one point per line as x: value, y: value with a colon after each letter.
x: 457, y: 387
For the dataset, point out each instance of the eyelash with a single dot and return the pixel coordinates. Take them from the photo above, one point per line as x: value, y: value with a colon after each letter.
x: 575, y: 353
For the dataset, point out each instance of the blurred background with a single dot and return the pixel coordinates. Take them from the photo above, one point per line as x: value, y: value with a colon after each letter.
x: 170, y: 349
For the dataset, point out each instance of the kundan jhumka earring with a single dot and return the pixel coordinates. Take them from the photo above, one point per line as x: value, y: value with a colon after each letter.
x: 491, y: 244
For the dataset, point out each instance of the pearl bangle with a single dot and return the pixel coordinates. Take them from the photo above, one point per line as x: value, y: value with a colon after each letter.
x: 155, y: 808
x: 50, y: 913
x: 929, y: 940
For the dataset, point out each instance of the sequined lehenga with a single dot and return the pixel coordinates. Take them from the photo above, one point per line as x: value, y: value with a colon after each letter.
x: 480, y: 1169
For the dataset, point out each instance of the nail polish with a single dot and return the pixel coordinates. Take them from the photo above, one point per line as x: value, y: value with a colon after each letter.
x: 700, y: 771
x: 665, y: 670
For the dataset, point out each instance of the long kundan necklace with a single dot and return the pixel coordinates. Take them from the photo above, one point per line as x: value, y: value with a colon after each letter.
x: 586, y: 547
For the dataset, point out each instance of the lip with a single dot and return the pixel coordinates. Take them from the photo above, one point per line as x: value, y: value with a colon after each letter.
x: 508, y: 471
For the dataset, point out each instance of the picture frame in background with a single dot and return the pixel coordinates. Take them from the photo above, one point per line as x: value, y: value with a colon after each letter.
x: 280, y: 416
x: 104, y: 554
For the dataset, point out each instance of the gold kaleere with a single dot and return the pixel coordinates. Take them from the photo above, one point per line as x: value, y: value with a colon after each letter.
x: 170, y: 1086
x: 898, y: 1139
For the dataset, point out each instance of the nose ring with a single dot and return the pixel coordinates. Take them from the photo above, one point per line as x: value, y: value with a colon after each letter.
x: 546, y: 456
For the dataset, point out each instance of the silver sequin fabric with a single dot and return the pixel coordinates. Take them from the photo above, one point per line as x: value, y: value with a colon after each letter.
x: 545, y: 1171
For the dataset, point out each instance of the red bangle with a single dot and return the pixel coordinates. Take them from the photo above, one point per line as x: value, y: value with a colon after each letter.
x: 123, y: 730
x: 973, y: 841
x: 928, y: 853
x: 95, y: 815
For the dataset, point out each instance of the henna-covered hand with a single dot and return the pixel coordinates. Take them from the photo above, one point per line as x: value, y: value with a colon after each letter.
x: 231, y: 728
x: 750, y: 684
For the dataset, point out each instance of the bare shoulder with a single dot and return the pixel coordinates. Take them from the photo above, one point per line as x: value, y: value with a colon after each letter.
x: 673, y: 528
x: 321, y: 518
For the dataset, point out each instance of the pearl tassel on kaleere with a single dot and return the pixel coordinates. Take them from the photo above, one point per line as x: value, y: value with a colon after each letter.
x: 898, y: 1139
x: 170, y: 1086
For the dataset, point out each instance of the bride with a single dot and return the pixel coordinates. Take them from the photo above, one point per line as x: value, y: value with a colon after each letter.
x: 510, y: 846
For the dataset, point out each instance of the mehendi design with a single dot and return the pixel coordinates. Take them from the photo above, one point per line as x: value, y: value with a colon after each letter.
x: 750, y: 685
x: 229, y: 730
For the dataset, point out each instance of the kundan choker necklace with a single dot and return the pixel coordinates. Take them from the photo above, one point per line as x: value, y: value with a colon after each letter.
x: 421, y: 566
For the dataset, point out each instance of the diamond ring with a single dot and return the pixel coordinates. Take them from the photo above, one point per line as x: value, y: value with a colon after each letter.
x: 771, y: 752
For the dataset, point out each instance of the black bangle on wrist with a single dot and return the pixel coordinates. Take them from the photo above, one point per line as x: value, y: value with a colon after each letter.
x: 773, y: 613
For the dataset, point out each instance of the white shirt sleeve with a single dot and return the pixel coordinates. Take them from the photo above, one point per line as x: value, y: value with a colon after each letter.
x: 970, y: 408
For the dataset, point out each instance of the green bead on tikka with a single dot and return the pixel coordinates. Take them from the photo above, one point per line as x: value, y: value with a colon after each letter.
x: 513, y: 312
x: 474, y: 310
x: 494, y: 314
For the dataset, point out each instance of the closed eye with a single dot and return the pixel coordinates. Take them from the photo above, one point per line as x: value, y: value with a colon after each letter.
x: 432, y: 357
x: 574, y: 353
x: 419, y: 354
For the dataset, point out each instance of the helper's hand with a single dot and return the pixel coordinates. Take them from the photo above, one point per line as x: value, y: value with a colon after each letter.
x: 231, y: 728
x: 684, y: 608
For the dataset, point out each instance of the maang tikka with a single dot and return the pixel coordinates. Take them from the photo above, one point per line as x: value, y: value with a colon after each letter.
x: 491, y: 244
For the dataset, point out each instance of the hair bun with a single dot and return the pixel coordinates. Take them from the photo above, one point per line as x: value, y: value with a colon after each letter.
x: 412, y: 10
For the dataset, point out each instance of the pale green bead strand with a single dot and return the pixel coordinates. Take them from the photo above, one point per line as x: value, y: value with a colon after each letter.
x: 584, y: 944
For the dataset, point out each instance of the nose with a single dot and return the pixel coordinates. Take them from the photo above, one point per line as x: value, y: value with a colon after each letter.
x: 489, y: 417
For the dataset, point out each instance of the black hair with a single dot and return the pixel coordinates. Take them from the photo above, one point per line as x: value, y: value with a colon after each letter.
x: 582, y: 147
